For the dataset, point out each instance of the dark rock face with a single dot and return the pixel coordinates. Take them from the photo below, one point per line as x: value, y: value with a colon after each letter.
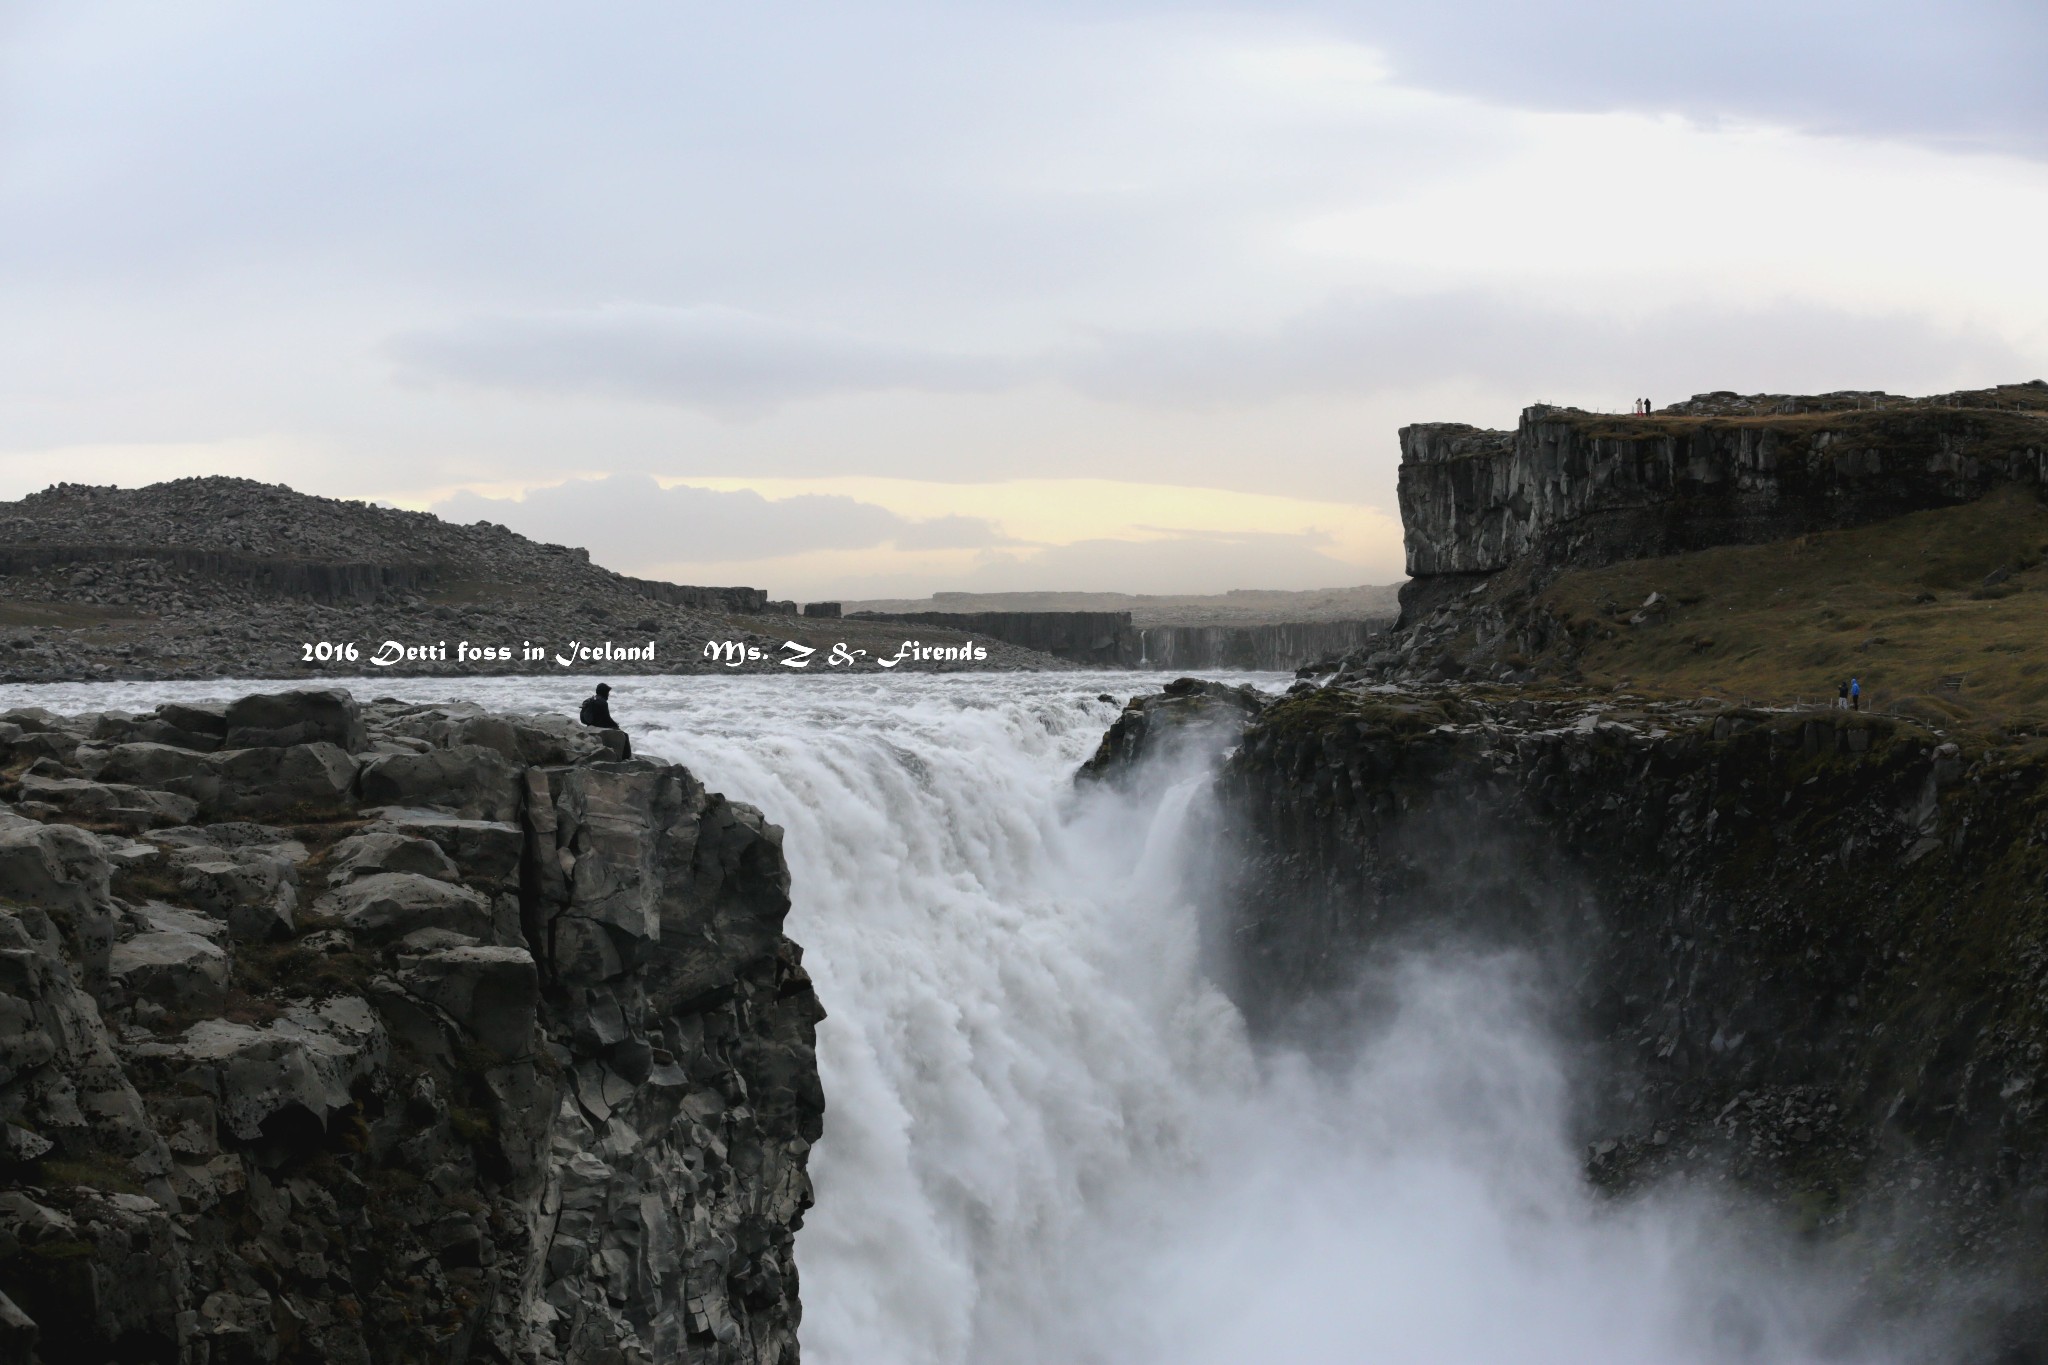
x: 520, y: 1071
x: 1190, y: 714
x: 1276, y: 648
x: 1574, y: 487
x: 1082, y: 637
x: 1108, y: 639
x: 1809, y: 950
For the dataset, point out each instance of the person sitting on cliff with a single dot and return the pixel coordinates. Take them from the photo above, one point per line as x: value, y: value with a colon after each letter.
x: 597, y: 712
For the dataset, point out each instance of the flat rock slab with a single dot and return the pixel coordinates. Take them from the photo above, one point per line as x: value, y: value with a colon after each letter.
x: 307, y: 1059
x: 390, y: 905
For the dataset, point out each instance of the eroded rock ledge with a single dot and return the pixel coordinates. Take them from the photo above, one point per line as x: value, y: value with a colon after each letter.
x: 388, y: 1033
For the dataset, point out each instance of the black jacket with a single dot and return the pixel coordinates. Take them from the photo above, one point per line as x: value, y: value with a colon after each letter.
x: 597, y: 711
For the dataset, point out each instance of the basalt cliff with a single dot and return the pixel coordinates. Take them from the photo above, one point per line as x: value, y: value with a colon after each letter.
x: 390, y: 1033
x: 1492, y: 519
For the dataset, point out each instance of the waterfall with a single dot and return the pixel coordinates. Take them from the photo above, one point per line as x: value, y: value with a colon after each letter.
x: 1048, y: 1140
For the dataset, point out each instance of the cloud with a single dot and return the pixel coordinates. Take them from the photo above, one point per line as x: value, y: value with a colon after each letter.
x: 726, y: 361
x: 630, y: 522
x: 1378, y: 342
x: 1189, y: 562
x: 1958, y: 73
x: 732, y: 363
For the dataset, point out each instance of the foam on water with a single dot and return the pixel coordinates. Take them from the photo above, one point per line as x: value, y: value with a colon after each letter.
x: 1048, y: 1139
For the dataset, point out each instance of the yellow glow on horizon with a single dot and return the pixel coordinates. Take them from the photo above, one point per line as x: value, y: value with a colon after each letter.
x: 1062, y: 511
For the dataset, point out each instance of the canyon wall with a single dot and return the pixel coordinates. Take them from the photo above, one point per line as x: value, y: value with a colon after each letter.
x: 1274, y: 649
x: 391, y: 1033
x: 1585, y: 489
x: 1081, y: 637
x: 1805, y: 952
x: 1107, y: 639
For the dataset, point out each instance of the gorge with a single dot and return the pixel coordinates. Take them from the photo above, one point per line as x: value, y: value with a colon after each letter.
x: 1065, y: 1119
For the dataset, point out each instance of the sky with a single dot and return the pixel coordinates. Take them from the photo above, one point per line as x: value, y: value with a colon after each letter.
x: 869, y: 298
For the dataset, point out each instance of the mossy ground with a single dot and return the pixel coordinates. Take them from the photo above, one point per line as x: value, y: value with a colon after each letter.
x: 1902, y: 605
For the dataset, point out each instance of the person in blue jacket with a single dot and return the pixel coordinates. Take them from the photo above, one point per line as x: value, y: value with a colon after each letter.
x: 1855, y: 695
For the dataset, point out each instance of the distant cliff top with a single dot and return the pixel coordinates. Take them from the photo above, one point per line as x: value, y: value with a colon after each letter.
x: 1869, y: 410
x: 2031, y: 396
x: 1577, y: 488
x: 1240, y: 607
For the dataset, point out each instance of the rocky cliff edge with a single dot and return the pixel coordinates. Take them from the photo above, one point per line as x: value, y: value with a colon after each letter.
x: 390, y: 1033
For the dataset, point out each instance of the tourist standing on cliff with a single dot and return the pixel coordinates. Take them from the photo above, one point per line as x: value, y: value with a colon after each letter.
x: 1841, y: 696
x: 1855, y: 695
x: 597, y: 712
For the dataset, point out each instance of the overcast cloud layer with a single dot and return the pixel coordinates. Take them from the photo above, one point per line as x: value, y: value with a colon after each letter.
x: 453, y: 254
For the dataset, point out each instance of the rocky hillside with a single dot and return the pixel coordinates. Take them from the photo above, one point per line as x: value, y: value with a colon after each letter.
x: 390, y: 1033
x: 220, y: 577
x: 1806, y: 953
x: 1938, y: 614
x: 1768, y: 548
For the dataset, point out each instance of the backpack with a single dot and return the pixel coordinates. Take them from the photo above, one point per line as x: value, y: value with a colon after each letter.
x: 589, y: 713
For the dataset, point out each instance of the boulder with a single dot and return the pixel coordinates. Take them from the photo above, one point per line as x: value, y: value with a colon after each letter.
x: 65, y: 871
x: 53, y: 744
x: 118, y: 727
x: 547, y: 740
x: 361, y: 855
x: 486, y: 851
x: 161, y: 732
x: 253, y: 890
x: 551, y: 741
x: 155, y: 917
x: 316, y: 777
x: 306, y: 1061
x: 110, y: 803
x: 37, y: 720
x: 492, y: 993
x: 199, y: 718
x: 470, y: 780
x: 287, y: 719
x: 78, y: 797
x: 176, y: 969
x: 389, y: 905
x: 166, y: 767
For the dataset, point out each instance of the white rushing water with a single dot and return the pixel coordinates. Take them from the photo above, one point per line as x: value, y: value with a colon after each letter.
x: 1048, y: 1141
